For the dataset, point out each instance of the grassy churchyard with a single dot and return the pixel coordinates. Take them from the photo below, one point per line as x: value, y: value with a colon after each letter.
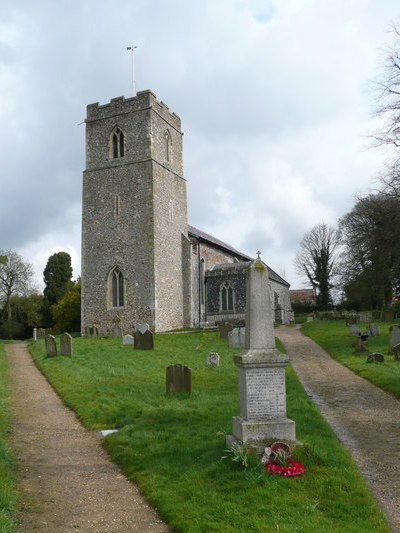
x: 8, y: 494
x: 172, y: 446
x: 333, y: 336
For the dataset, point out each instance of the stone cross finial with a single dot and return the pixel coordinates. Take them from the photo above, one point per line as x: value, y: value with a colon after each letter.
x: 258, y: 254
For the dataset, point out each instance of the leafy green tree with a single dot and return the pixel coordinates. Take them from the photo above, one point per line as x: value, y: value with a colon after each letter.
x: 316, y: 261
x: 371, y: 259
x: 26, y: 314
x: 57, y: 278
x: 67, y: 311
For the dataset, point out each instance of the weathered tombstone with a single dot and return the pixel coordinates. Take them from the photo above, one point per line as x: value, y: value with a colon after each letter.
x: 178, y: 379
x: 127, y: 339
x: 373, y: 330
x: 142, y: 328
x: 375, y: 357
x: 91, y: 331
x: 236, y: 337
x: 396, y: 352
x: 65, y: 344
x: 41, y: 332
x: 35, y: 334
x: 116, y: 329
x: 354, y: 330
x: 394, y: 337
x: 143, y: 341
x: 387, y: 315
x: 224, y: 329
x: 51, y: 346
x: 360, y: 346
x: 212, y: 359
x: 261, y: 371
x: 351, y: 319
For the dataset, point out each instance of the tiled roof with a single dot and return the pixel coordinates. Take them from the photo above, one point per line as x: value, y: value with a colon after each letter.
x: 201, y: 235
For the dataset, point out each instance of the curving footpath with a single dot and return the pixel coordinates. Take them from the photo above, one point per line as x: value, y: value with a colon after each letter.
x: 67, y: 482
x: 365, y: 418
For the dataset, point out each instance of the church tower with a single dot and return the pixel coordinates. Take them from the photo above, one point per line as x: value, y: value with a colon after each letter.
x: 135, y: 247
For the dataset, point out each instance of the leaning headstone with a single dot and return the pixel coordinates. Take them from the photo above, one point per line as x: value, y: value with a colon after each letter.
x: 354, y: 330
x: 373, y: 330
x: 375, y: 357
x: 178, y: 379
x: 143, y: 341
x: 51, y: 346
x: 116, y: 329
x: 236, y: 337
x: 261, y: 371
x: 394, y: 337
x: 35, y: 334
x: 396, y: 352
x: 127, y: 339
x: 224, y: 329
x: 360, y: 346
x: 65, y: 344
x: 212, y: 359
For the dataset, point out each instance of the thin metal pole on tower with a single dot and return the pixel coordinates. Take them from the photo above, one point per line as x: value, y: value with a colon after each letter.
x: 132, y: 49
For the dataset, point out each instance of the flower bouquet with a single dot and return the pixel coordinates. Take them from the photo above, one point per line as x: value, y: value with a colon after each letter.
x: 277, y: 460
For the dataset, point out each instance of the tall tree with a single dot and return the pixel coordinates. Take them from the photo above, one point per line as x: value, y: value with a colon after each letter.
x: 67, y: 311
x: 15, y: 277
x: 57, y: 277
x: 387, y: 91
x: 316, y: 261
x: 371, y: 262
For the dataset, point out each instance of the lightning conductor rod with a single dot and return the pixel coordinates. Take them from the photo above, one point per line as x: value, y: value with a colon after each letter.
x: 132, y: 49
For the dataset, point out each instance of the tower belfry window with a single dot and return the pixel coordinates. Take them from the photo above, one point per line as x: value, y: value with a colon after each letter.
x: 167, y: 146
x: 117, y: 143
x: 117, y: 288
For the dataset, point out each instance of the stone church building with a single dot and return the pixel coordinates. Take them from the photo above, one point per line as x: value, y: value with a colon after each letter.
x: 141, y: 261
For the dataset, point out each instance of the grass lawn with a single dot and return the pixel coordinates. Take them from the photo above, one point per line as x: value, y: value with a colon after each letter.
x: 170, y: 447
x: 8, y: 495
x: 333, y: 336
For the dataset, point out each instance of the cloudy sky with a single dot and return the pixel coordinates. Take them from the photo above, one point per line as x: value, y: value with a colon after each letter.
x: 274, y: 97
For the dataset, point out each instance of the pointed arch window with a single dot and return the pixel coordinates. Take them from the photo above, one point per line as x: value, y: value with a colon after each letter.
x: 117, y: 288
x: 167, y: 146
x: 117, y: 143
x: 227, y: 296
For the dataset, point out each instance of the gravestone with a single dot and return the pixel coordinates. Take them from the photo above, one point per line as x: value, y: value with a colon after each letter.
x: 65, y: 344
x: 41, y: 332
x: 375, y: 357
x: 51, y: 346
x: 396, y: 352
x: 394, y: 337
x: 373, y: 330
x: 178, y: 379
x: 142, y: 328
x: 127, y: 339
x: 143, y: 341
x: 351, y: 319
x: 261, y: 371
x: 387, y: 315
x: 116, y: 328
x: 236, y: 338
x: 91, y: 331
x: 224, y: 329
x: 212, y: 359
x: 360, y: 346
x: 35, y: 334
x: 354, y: 330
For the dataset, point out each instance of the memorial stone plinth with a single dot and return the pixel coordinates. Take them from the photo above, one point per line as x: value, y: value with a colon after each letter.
x: 261, y: 370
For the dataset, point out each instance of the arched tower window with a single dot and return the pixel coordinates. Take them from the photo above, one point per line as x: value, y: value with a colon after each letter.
x: 117, y: 143
x: 167, y: 146
x: 117, y: 288
x: 227, y: 296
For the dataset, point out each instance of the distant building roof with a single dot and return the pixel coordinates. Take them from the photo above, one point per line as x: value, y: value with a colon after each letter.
x: 205, y: 237
x: 302, y: 296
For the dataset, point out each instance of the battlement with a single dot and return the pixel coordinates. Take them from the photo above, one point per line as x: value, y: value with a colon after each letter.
x: 121, y: 106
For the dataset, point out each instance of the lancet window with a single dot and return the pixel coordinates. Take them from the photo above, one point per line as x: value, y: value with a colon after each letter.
x: 117, y: 288
x: 117, y: 143
x: 227, y: 296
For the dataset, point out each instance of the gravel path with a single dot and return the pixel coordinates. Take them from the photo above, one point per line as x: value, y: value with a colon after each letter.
x: 68, y: 484
x: 365, y: 418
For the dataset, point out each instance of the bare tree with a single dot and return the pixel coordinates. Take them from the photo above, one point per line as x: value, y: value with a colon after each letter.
x: 316, y: 260
x: 15, y: 276
x: 387, y: 105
